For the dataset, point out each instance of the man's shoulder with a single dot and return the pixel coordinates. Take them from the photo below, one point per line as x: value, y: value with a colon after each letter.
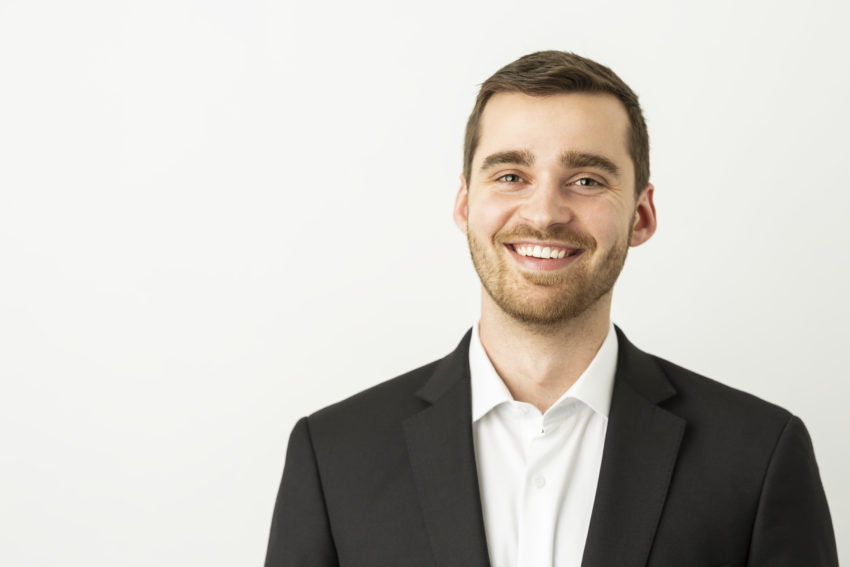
x: 396, y: 399
x: 691, y: 395
x: 712, y: 403
x: 374, y: 412
x: 389, y: 392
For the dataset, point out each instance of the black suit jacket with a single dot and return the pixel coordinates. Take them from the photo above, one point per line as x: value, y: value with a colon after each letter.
x: 694, y: 474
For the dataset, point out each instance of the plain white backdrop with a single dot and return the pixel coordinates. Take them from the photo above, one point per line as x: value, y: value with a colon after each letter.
x: 216, y: 217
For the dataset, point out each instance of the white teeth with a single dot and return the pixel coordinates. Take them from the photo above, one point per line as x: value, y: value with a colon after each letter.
x: 545, y: 252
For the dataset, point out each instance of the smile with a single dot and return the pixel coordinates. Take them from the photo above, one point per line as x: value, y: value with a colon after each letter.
x: 543, y: 251
x: 542, y: 255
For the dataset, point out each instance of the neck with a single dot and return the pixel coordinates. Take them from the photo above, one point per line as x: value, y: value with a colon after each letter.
x: 538, y: 363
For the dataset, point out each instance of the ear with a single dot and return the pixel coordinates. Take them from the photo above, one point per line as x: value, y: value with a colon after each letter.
x: 645, y: 221
x: 461, y: 209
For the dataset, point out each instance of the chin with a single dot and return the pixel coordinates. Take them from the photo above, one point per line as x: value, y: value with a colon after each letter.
x: 545, y: 311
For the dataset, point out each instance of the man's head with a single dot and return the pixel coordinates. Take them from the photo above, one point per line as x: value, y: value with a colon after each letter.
x: 558, y: 72
x: 551, y: 196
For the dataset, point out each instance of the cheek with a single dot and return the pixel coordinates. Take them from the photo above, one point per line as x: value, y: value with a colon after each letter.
x: 607, y: 224
x: 487, y: 216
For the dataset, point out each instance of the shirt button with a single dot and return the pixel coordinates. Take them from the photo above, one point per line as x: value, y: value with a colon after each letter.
x: 539, y: 481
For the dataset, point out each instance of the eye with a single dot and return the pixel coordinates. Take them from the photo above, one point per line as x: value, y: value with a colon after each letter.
x: 510, y: 178
x: 587, y: 182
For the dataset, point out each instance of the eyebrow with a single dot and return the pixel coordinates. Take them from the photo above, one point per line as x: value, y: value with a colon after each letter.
x: 513, y: 157
x: 577, y: 160
x: 569, y: 159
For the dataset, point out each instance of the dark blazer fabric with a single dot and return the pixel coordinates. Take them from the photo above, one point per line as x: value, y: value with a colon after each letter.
x: 694, y: 474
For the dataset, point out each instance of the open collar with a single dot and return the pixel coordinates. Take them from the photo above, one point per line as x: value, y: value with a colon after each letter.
x: 593, y: 388
x: 641, y: 448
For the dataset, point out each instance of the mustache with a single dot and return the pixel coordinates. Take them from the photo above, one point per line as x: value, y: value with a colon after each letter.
x: 570, y: 238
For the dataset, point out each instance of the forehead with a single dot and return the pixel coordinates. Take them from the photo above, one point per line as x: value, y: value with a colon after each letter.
x: 549, y: 125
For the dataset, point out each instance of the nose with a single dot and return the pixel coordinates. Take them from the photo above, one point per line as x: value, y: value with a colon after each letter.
x: 546, y: 205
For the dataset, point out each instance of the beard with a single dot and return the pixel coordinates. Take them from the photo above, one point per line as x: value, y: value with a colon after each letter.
x: 547, y: 298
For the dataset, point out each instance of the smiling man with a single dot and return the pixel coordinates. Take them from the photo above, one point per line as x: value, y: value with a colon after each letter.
x: 546, y: 438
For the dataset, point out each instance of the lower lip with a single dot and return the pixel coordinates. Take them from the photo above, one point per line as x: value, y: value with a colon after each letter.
x: 543, y: 264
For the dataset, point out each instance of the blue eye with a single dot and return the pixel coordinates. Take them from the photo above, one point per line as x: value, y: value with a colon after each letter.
x: 510, y: 178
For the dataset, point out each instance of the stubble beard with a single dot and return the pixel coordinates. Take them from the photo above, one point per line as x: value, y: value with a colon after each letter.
x: 547, y: 299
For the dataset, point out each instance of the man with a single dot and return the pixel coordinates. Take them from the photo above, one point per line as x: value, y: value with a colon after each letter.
x: 546, y: 438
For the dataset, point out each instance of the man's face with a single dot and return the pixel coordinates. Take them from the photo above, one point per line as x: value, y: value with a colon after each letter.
x: 551, y: 209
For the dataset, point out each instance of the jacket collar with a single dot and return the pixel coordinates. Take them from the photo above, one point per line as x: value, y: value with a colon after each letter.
x: 442, y: 456
x: 641, y: 446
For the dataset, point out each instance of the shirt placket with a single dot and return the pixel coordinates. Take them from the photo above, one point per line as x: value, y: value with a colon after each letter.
x: 534, y: 545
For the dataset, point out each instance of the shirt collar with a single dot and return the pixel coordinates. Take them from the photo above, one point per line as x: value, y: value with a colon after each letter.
x: 594, y: 387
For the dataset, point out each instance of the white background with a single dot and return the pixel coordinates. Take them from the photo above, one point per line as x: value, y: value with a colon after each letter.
x: 219, y: 216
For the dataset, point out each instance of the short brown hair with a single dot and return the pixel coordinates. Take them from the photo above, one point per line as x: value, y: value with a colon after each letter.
x: 556, y: 72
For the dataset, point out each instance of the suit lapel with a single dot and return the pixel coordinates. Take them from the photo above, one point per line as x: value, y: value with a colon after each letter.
x: 442, y: 456
x: 641, y: 447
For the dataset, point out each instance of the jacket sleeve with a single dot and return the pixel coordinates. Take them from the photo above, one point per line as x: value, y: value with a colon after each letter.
x: 793, y: 526
x: 300, y: 533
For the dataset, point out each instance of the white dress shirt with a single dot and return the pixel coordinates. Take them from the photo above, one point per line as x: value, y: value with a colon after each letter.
x: 538, y: 472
